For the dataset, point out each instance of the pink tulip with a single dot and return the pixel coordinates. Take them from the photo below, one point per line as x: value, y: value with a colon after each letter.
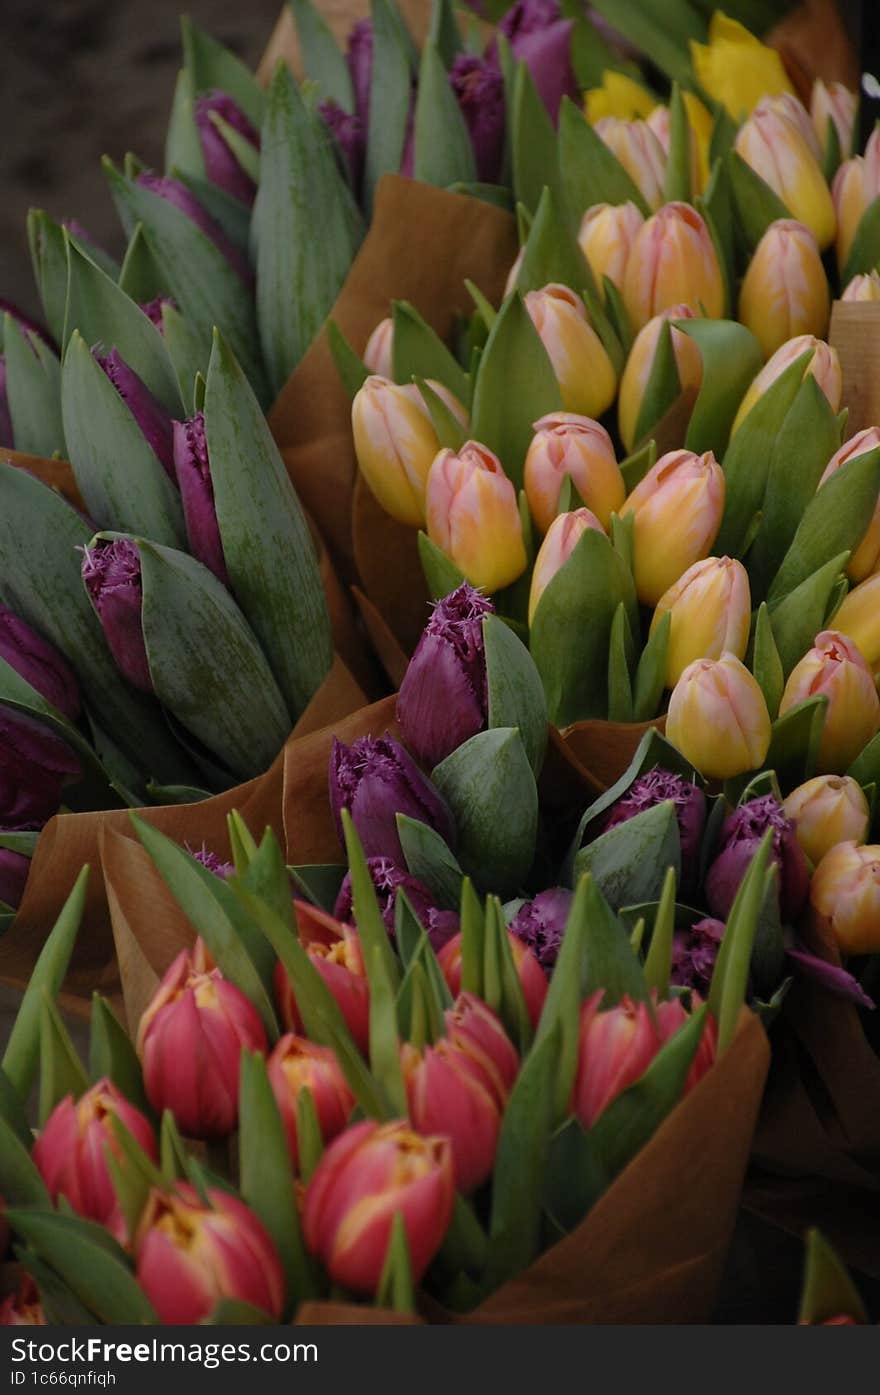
x: 567, y: 444
x: 615, y: 1048
x: 335, y: 951
x: 477, y: 1033
x: 531, y: 975
x: 835, y: 102
x: 606, y: 238
x: 473, y: 516
x: 865, y: 558
x: 856, y: 185
x: 639, y: 151
x: 585, y: 373
x: 640, y: 365
x: 835, y: 668
x: 673, y: 260
x: 671, y: 1017
x: 563, y: 536
x: 824, y: 365
x: 297, y: 1064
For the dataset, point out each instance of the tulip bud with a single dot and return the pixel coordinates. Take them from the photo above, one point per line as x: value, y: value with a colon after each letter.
x: 639, y: 151
x: 443, y: 699
x: 176, y: 193
x: 718, y: 718
x: 640, y: 365
x: 710, y: 612
x: 221, y: 165
x: 564, y: 534
x: 865, y: 558
x: 533, y: 980
x: 540, y: 924
x: 824, y: 366
x: 297, y: 1064
x: 335, y: 951
x: 677, y: 512
x: 395, y: 444
x: 347, y: 132
x: 151, y: 417
x: 655, y: 787
x: 660, y: 122
x: 111, y: 571
x: 565, y: 444
x: 35, y: 765
x: 39, y: 663
x: 866, y: 286
x: 376, y: 779
x: 387, y: 880
x: 673, y: 260
x: 785, y: 289
x: 193, y: 470
x: 845, y: 890
x: 671, y: 1017
x: 773, y: 145
x: 585, y: 373
x: 606, y: 237
x: 190, y: 1040
x: 190, y: 1254
x: 791, y: 109
x: 859, y: 619
x: 836, y: 668
x: 70, y: 1153
x: 367, y: 1175
x: 833, y: 101
x: 615, y: 1048
x: 479, y: 87
x: 478, y: 1033
x: 694, y: 952
x: 473, y: 516
x: 827, y: 810
x: 378, y: 353
x: 153, y: 310
x: 856, y: 185
x: 540, y: 37
x: 23, y: 1308
x: 740, y: 840
x: 14, y: 869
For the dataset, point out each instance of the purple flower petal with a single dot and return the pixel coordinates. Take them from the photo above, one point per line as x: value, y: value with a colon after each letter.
x: 176, y: 193
x: 112, y: 575
x: 376, y: 779
x: 35, y: 765
x: 541, y: 923
x: 150, y: 415
x: 197, y: 494
x: 39, y: 663
x: 479, y: 86
x: 831, y: 977
x: 221, y: 165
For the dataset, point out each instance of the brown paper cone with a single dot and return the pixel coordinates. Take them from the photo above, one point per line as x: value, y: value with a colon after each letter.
x: 56, y: 473
x: 352, y: 1315
x: 386, y: 555
x: 604, y: 750
x: 813, y: 44
x: 855, y: 334
x: 391, y: 654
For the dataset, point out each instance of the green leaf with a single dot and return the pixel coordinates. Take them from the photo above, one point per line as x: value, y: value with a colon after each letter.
x: 864, y: 254
x: 658, y: 961
x: 794, y: 741
x: 650, y: 679
x: 233, y: 216
x: 49, y: 262
x: 441, y: 573
x: 12, y: 1111
x: 835, y: 521
x: 756, y: 204
x: 112, y: 1054
x: 444, y: 152
x: 172, y: 1151
x: 140, y: 278
x: 390, y: 92
x: 731, y: 359
x: 365, y: 906
x: 95, y: 1271
x: 418, y: 352
x: 324, y: 63
x: 33, y: 391
x: 629, y: 863
x: 800, y: 616
x: 515, y: 692
x: 396, y: 1288
x: 609, y: 962
x: 591, y: 172
x: 20, y: 1182
x: 489, y: 772
x: 663, y: 387
x: 232, y: 1312
x: 450, y: 432
x: 552, y: 252
x: 731, y: 972
x: 661, y: 30
x: 828, y: 1291
x: 637, y: 465
x: 537, y: 162
x: 562, y: 1006
x: 498, y: 962
x: 384, y: 1044
x: 574, y: 1178
x: 620, y: 645
x: 60, y: 1305
x: 350, y: 366
x: 716, y: 207
x: 410, y: 932
x: 766, y: 663
x: 187, y: 352
x: 473, y: 936
x: 444, y: 31
x: 430, y: 861
x: 319, y: 882
x: 677, y: 184
x: 309, y: 1139
x: 183, y: 148
x: 211, y: 66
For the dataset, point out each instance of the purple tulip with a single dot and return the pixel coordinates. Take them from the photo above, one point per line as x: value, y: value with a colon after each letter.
x: 690, y: 810
x: 39, y: 663
x: 6, y: 436
x: 153, y: 310
x: 541, y: 923
x: 740, y: 839
x: 376, y: 779
x: 197, y: 494
x: 35, y: 765
x: 348, y: 133
x: 359, y: 56
x: 14, y: 868
x: 542, y: 38
x: 387, y: 877
x: 210, y: 860
x: 694, y: 952
x: 479, y: 86
x: 177, y: 194
x: 221, y: 165
x: 443, y: 698
x: 150, y: 415
x: 111, y: 571
x: 831, y: 977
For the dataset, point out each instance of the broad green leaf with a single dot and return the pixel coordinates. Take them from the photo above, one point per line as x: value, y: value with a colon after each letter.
x: 450, y: 432
x: 800, y: 616
x: 731, y: 972
x: 60, y: 1305
x: 140, y: 277
x: 443, y: 152
x: 49, y: 262
x: 319, y: 882
x: 498, y: 959
x: 650, y: 679
x: 473, y: 935
x: 172, y: 1150
x: 537, y: 159
x: 20, y: 1182
x: 658, y: 961
x: 629, y: 863
x: 551, y: 252
x: 835, y: 521
x: 609, y: 961
x: 794, y: 741
x: 33, y: 391
x: 620, y: 646
x: 489, y: 772
x: 444, y: 31
x: 864, y: 254
x: 97, y: 1273
x: 591, y: 173
x: 441, y: 573
x: 419, y: 352
x: 350, y: 366
x: 677, y: 184
x: 309, y: 1139
x: 756, y: 204
x: 516, y: 695
x: 574, y: 1177
x: 390, y: 97
x: 663, y: 387
x: 731, y: 358
x: 183, y: 148
x: 766, y: 663
x: 231, y: 214
x: 324, y: 63
x: 12, y: 1111
x: 212, y: 66
x: 661, y: 30
x: 61, y: 1071
x: 112, y: 1053
x: 396, y: 1287
x: 430, y: 861
x: 637, y: 465
x: 186, y: 351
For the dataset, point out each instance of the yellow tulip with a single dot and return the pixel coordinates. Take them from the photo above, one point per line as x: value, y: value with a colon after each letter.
x: 833, y: 102
x: 866, y: 556
x: 845, y: 891
x: 785, y: 290
x: 640, y: 364
x: 792, y: 109
x: 776, y: 150
x: 735, y: 68
x: 563, y: 536
x: 619, y: 95
x: 566, y: 444
x: 865, y: 286
x: 859, y: 619
x: 586, y: 376
x: 710, y: 610
x: 472, y: 516
x: 606, y: 236
x: 836, y: 668
x: 718, y: 718
x: 395, y: 444
x: 673, y: 261
x: 640, y: 153
x: 856, y: 185
x: 824, y: 366
x: 676, y: 512
x: 827, y: 810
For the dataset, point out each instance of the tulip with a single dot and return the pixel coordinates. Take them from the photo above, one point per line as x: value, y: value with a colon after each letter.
x: 865, y: 558
x: 176, y: 193
x: 824, y: 366
x: 297, y: 1064
x: 710, y: 612
x: 190, y: 1040
x: 640, y: 365
x: 859, y: 619
x: 348, y: 134
x: 387, y: 880
x: 369, y: 1174
x: 540, y: 924
x: 479, y: 87
x: 671, y: 1017
x: 70, y: 1153
x: 151, y: 417
x: 378, y: 353
x: 677, y: 512
x: 785, y: 289
x: 777, y: 151
x: 193, y: 470
x: 866, y: 286
x: 845, y: 891
x: 615, y: 1048
x: 478, y: 1034
x: 335, y: 952
x: 694, y: 952
x: 740, y: 840
x: 606, y: 238
x: 39, y: 663
x: 566, y: 444
x: 836, y: 668
x: 673, y: 261
x: 833, y: 102
x: 395, y: 444
x: 718, y: 718
x: 221, y: 165
x: 190, y: 1254
x: 655, y: 787
x: 533, y: 980
x: 620, y: 96
x: 700, y: 125
x: 359, y: 57
x: 35, y: 765
x: 735, y: 68
x: 792, y: 109
x: 449, y: 400
x: 639, y: 151
x: 23, y: 1307
x: 14, y: 869
x: 856, y: 185
x: 443, y: 699
x: 541, y: 38
x: 585, y: 373
x: 376, y: 779
x: 564, y: 534
x: 827, y: 810
x: 153, y: 310
x: 111, y: 571
x: 473, y: 517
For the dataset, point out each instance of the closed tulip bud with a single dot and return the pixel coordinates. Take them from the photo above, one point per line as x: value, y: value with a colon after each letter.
x: 824, y: 366
x: 866, y: 286
x: 478, y: 84
x: 377, y: 354
x: 368, y: 1175
x: 718, y: 718
x: 791, y: 108
x: 639, y: 151
x: 856, y: 185
x: 532, y: 978
x: 540, y: 924
x: 153, y: 310
x: 376, y: 779
x: 615, y: 1048
x: 835, y: 668
x: 865, y: 557
x: 39, y: 663
x: 190, y: 1041
x: 785, y: 290
x: 740, y: 840
x: 212, y: 111
x: 14, y: 869
x: 297, y: 1064
x: 562, y: 538
x: 640, y: 365
x: 541, y: 38
x: 827, y: 810
x: 835, y: 102
x: 473, y: 516
x: 150, y: 415
x: 335, y: 952
x: 478, y: 1033
x: 845, y: 891
x: 585, y: 373
x: 191, y: 1253
x: 70, y: 1153
x: 773, y: 145
x: 656, y: 787
x: 175, y: 192
x: 671, y: 1017
x: 111, y: 571
x: 388, y: 879
x: 35, y: 765
x: 606, y: 237
x: 395, y: 444
x: 859, y: 619
x: 673, y: 261
x: 677, y: 512
x: 443, y: 699
x: 710, y: 611
x: 566, y: 444
x: 193, y: 471
x: 694, y: 952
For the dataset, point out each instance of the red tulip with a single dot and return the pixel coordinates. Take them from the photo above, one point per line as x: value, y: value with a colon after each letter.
x: 297, y: 1064
x: 478, y: 1033
x: 335, y: 951
x: 531, y: 975
x: 671, y: 1017
x: 616, y: 1047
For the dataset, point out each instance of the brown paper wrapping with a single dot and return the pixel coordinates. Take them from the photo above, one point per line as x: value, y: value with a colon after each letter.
x: 813, y: 43
x: 604, y: 750
x: 855, y: 334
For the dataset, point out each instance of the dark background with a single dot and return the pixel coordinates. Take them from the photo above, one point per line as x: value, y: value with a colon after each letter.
x: 84, y: 78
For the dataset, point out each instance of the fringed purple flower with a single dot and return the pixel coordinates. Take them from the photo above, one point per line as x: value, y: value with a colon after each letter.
x: 690, y: 810
x: 150, y: 415
x: 540, y: 37
x: 376, y: 779
x: 221, y: 165
x: 193, y: 471
x: 694, y: 952
x: 443, y: 698
x: 112, y: 574
x: 348, y: 133
x: 479, y: 86
x: 541, y: 923
x: 740, y: 839
x: 387, y: 879
x: 153, y: 309
x: 210, y: 860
